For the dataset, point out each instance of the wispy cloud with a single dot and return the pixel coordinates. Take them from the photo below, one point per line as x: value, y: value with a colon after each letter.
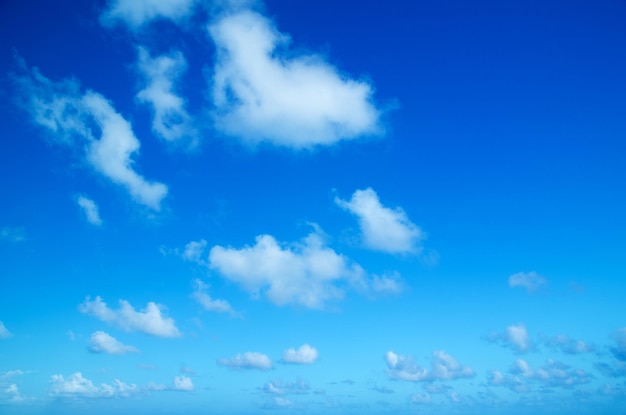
x: 531, y: 281
x: 247, y: 360
x: 11, y: 234
x: 201, y: 295
x: 77, y: 386
x: 443, y: 367
x: 136, y: 13
x: 90, y: 209
x: 102, y: 342
x: 304, y: 355
x: 293, y: 101
x: 4, y: 332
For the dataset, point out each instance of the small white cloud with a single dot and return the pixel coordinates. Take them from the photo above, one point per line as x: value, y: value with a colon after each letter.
x: 389, y: 284
x: 201, y: 295
x: 136, y: 13
x: 247, y: 360
x: 421, y: 398
x: 183, y: 383
x: 160, y: 76
x: 150, y: 320
x: 194, y: 251
x: 305, y: 355
x: 90, y: 209
x: 515, y: 337
x: 568, y: 345
x: 292, y: 101
x: 76, y: 386
x: 12, y: 234
x: 277, y: 387
x: 4, y: 332
x: 529, y: 280
x: 443, y: 367
x: 101, y: 342
x: 383, y: 229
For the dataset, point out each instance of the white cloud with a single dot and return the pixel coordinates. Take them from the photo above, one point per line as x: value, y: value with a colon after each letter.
x: 4, y: 332
x: 443, y: 367
x: 305, y: 273
x: 194, y: 251
x: 12, y: 234
x: 305, y: 355
x: 136, y: 13
x: 76, y: 386
x: 383, y: 229
x: 101, y: 342
x: 529, y: 280
x: 568, y: 345
x: 421, y: 398
x: 90, y: 209
x: 515, y: 337
x: 183, y: 383
x: 277, y: 387
x: 552, y: 374
x: 297, y: 102
x: 201, y: 295
x: 160, y: 76
x: 247, y: 360
x: 150, y: 320
x: 389, y: 284
x: 88, y: 121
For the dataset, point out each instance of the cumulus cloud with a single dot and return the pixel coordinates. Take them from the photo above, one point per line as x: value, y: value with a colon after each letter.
x: 515, y: 337
x: 247, y: 360
x: 77, y: 386
x: 531, y: 281
x: 12, y: 234
x: 4, y: 332
x: 305, y: 355
x: 383, y: 229
x: 194, y: 251
x: 307, y: 273
x: 149, y: 320
x: 101, y: 342
x: 443, y: 367
x: 261, y: 95
x: 160, y: 76
x: 201, y: 295
x: 568, y: 345
x: 552, y: 374
x: 183, y: 383
x: 90, y: 209
x: 89, y: 121
x: 136, y: 13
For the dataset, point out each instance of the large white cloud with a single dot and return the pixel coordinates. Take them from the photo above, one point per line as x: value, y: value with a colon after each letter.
x: 247, y: 360
x: 304, y: 355
x: 443, y: 367
x: 90, y: 209
x: 102, y: 342
x: 201, y: 295
x: 383, y: 229
x: 77, y: 386
x: 159, y: 77
x: 293, y: 101
x: 514, y: 337
x: 4, y: 332
x: 149, y: 320
x: 136, y: 13
x: 531, y: 281
x: 89, y: 121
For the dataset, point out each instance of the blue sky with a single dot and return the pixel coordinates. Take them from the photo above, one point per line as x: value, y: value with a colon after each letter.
x: 302, y: 207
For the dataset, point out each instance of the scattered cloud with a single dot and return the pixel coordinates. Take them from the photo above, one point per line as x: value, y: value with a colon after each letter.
x: 617, y: 368
x: 383, y: 229
x: 10, y: 234
x: 261, y: 95
x: 278, y: 387
x: 183, y: 383
x: 305, y: 355
x: 160, y: 75
x: 568, y: 345
x: 420, y: 398
x: 387, y: 284
x: 89, y: 121
x: 90, y: 209
x: 247, y: 360
x: 149, y: 320
x: 443, y: 367
x: 4, y: 332
x: 529, y: 280
x: 136, y: 13
x: 101, y: 342
x: 514, y: 383
x: 201, y: 295
x: 552, y: 374
x: 515, y: 337
x: 76, y: 386
x: 194, y: 251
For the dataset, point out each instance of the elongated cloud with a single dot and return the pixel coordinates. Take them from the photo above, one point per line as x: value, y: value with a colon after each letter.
x: 552, y: 374
x: 101, y: 342
x: 201, y: 295
x: 77, y: 386
x: 88, y: 121
x: 149, y: 320
x: 160, y: 76
x: 4, y: 332
x: 296, y: 102
x: 383, y: 229
x: 136, y: 13
x: 443, y: 367
x: 305, y: 355
x: 247, y: 360
x: 90, y: 209
x: 531, y: 281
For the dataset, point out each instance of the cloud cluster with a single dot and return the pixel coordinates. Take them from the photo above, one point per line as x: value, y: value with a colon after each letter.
x: 149, y: 320
x: 443, y: 367
x: 247, y: 360
x: 552, y: 374
x: 90, y: 209
x: 514, y: 337
x: 531, y: 281
x: 102, y: 342
x: 293, y: 101
x: 77, y: 386
x: 383, y: 229
x: 203, y: 298
x: 304, y: 355
x: 568, y: 345
x: 136, y: 13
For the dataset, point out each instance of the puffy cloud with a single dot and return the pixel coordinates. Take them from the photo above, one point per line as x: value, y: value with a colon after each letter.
x: 529, y: 280
x: 293, y: 101
x: 87, y: 120
x: 515, y: 337
x: 160, y: 75
x: 306, y: 273
x: 183, y: 383
x: 552, y: 374
x: 305, y: 355
x: 10, y: 234
x: 4, y: 332
x: 247, y: 360
x: 194, y: 251
x: 76, y: 386
x: 568, y: 345
x: 443, y: 367
x: 201, y: 295
x: 90, y: 209
x: 136, y: 13
x: 101, y: 342
x: 383, y: 229
x: 150, y: 320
